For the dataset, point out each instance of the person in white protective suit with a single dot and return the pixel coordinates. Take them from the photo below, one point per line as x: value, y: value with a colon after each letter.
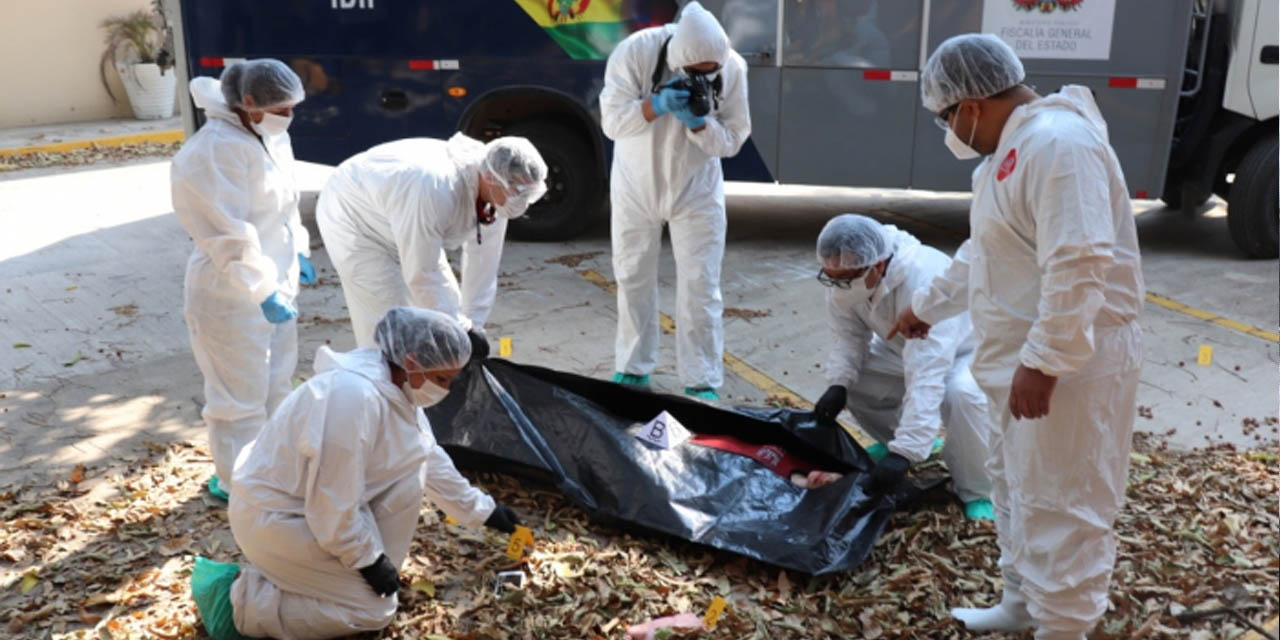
x: 234, y: 193
x: 901, y: 391
x: 388, y: 214
x: 327, y: 498
x: 666, y: 170
x: 1052, y: 279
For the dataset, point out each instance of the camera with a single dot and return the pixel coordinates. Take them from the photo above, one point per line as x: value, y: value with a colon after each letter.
x: 703, y: 91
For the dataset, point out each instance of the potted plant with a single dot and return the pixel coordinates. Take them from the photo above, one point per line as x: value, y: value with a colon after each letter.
x: 138, y: 47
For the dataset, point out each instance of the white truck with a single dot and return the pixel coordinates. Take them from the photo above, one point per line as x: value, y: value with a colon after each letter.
x: 1224, y: 140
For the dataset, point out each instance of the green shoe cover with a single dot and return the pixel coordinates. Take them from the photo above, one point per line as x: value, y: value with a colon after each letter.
x: 211, y: 589
x: 877, y: 451
x: 980, y: 509
x: 631, y: 379
x: 703, y: 393
x: 216, y: 490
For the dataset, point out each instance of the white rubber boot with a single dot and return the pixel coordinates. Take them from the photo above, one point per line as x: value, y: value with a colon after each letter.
x: 1010, y: 616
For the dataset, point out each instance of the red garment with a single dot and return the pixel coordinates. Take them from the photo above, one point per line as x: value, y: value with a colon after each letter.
x: 773, y: 457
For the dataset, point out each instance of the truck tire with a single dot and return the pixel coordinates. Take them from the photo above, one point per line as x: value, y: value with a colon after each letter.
x: 1253, y: 204
x: 575, y: 190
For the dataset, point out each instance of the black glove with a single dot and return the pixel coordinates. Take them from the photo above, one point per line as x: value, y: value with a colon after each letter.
x: 503, y: 519
x: 887, y: 474
x: 382, y: 576
x: 479, y: 345
x: 831, y: 403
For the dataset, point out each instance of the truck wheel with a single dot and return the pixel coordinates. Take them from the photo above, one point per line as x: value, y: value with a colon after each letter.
x: 574, y: 189
x: 1253, y: 209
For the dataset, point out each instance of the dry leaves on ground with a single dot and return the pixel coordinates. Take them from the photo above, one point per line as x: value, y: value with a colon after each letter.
x: 110, y: 556
x: 88, y: 155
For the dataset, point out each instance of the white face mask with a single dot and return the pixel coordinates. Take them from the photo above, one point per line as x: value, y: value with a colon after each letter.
x: 272, y: 124
x: 427, y: 395
x: 858, y: 292
x: 960, y: 149
x: 518, y: 203
x: 514, y: 208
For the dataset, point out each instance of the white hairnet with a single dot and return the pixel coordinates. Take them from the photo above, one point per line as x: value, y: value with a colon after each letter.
x: 851, y: 241
x: 435, y: 340
x: 270, y: 82
x: 698, y: 38
x: 514, y: 161
x: 971, y: 66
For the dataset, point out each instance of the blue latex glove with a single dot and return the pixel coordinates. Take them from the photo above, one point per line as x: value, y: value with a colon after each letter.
x: 686, y: 116
x: 277, y: 309
x: 669, y: 100
x: 306, y: 272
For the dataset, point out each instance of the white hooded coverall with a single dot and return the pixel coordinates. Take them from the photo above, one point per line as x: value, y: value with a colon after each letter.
x: 334, y: 480
x: 388, y: 214
x: 1053, y: 281
x: 903, y: 391
x: 665, y: 173
x: 235, y: 196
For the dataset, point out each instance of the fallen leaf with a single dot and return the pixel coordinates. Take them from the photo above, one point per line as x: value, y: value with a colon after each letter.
x: 28, y: 583
x: 89, y: 618
x: 98, y: 599
x: 21, y: 345
x: 77, y: 474
x: 424, y: 586
x: 174, y: 546
x: 74, y: 359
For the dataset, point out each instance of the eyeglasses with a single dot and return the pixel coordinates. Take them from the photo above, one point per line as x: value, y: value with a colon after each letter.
x: 944, y: 117
x: 841, y: 283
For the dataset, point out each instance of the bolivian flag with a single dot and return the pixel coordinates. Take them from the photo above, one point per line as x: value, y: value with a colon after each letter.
x: 584, y: 29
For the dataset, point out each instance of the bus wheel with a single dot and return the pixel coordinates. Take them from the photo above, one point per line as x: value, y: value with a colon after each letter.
x: 1253, y: 204
x: 575, y: 190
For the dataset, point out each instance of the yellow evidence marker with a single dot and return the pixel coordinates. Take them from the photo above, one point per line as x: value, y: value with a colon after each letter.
x: 1205, y: 358
x: 504, y: 347
x: 521, y: 538
x: 713, y: 613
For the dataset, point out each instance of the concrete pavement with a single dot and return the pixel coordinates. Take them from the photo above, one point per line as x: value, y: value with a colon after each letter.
x: 75, y: 135
x: 91, y: 281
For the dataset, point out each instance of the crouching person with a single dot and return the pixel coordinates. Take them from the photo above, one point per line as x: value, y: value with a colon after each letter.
x: 327, y: 498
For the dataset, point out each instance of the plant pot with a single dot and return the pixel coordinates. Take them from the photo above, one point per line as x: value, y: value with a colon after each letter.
x: 151, y: 93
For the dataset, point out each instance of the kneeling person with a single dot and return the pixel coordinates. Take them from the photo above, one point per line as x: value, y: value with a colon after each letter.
x: 901, y: 392
x: 327, y: 498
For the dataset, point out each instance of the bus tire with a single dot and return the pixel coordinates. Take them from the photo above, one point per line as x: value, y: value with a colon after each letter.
x: 575, y: 188
x: 1253, y: 204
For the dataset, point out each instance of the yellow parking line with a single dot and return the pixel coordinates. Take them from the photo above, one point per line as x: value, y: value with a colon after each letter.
x: 1272, y: 626
x: 1212, y: 318
x: 168, y: 136
x: 753, y: 376
x: 1153, y: 298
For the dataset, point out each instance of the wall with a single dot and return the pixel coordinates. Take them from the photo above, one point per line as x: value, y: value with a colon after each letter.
x: 49, y: 51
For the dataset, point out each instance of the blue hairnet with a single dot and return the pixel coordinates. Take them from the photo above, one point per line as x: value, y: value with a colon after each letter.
x: 851, y: 241
x: 270, y: 82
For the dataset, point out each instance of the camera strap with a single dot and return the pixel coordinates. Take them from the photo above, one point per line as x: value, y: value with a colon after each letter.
x: 662, y: 65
